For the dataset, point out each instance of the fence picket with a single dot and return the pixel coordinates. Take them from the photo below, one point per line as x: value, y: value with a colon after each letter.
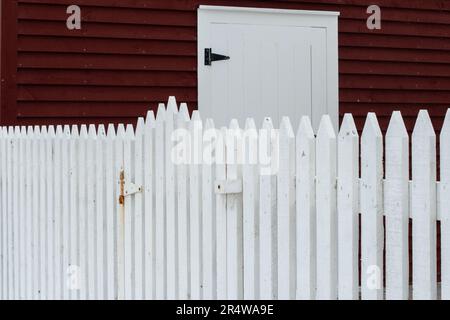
x: 251, y: 211
x: 111, y: 187
x: 348, y: 211
x: 20, y: 214
x: 42, y: 215
x: 235, y: 288
x: 57, y: 181
x: 445, y: 207
x: 149, y: 206
x: 306, y: 211
x: 326, y: 212
x: 267, y: 212
x: 3, y: 212
x: 120, y: 213
x: 65, y: 213
x: 372, y: 230
x: 286, y: 223
x: 221, y: 218
x: 128, y: 216
x: 183, y: 203
x: 73, y: 271
x: 423, y: 209
x: 100, y: 212
x: 208, y: 216
x: 138, y: 219
x: 196, y: 131
x: 160, y: 242
x: 396, y: 206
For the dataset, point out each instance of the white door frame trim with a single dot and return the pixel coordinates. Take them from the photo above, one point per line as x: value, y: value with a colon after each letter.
x: 299, y: 18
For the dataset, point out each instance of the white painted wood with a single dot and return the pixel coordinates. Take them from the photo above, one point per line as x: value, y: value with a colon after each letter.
x: 348, y: 210
x: 138, y: 216
x: 3, y: 212
x: 221, y: 218
x: 110, y: 214
x: 273, y: 48
x: 100, y: 161
x: 57, y: 195
x: 208, y: 213
x: 21, y: 221
x: 196, y: 132
x: 372, y: 229
x: 171, y: 215
x: 306, y: 211
x: 183, y: 139
x: 161, y: 292
x: 73, y: 271
x: 65, y: 213
x: 42, y: 215
x: 286, y: 223
x: 149, y: 207
x: 250, y: 179
x: 129, y: 215
x: 445, y: 207
x: 327, y: 264
x: 50, y: 214
x: 396, y: 207
x: 423, y: 209
x: 267, y: 212
x: 235, y: 286
x: 120, y: 217
x: 90, y: 222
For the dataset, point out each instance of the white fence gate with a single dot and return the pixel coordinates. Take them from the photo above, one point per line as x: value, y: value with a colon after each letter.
x: 136, y: 214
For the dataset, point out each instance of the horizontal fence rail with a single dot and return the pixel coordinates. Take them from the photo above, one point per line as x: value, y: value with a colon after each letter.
x: 178, y: 209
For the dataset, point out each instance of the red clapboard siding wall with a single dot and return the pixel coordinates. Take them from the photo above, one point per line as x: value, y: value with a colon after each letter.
x: 132, y: 54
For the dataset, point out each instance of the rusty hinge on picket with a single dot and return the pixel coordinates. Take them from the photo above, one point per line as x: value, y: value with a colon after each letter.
x: 127, y: 188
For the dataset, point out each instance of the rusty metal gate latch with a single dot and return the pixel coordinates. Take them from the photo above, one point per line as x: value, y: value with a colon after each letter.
x: 127, y: 188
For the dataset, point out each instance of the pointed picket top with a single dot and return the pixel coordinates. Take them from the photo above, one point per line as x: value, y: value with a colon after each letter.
x: 209, y: 124
x: 101, y: 131
x: 59, y: 132
x: 445, y: 133
x: 424, y: 126
x: 120, y: 130
x: 74, y: 132
x: 161, y: 114
x: 250, y: 124
x: 372, y: 127
x: 130, y: 131
x: 111, y: 131
x: 83, y: 131
x: 51, y: 132
x: 172, y: 105
x: 184, y: 112
x: 397, y: 126
x: 37, y: 131
x: 67, y: 132
x: 326, y: 129
x: 23, y: 131
x: 196, y: 116
x: 150, y: 118
x: 286, y: 129
x: 140, y: 127
x: 92, y: 131
x: 348, y: 127
x: 17, y: 131
x: 305, y: 129
x: 234, y: 124
x: 44, y: 132
x: 267, y: 124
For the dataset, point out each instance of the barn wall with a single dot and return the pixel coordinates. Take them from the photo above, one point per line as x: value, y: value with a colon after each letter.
x: 132, y: 54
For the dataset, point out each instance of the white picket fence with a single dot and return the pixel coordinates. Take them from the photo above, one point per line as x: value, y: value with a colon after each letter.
x: 108, y: 214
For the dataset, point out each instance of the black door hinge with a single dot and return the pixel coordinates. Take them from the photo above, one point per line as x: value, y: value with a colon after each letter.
x: 210, y: 57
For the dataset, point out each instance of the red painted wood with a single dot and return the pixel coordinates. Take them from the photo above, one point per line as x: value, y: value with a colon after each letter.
x: 131, y: 53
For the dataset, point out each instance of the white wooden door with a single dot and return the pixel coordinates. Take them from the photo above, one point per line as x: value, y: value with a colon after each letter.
x: 281, y: 63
